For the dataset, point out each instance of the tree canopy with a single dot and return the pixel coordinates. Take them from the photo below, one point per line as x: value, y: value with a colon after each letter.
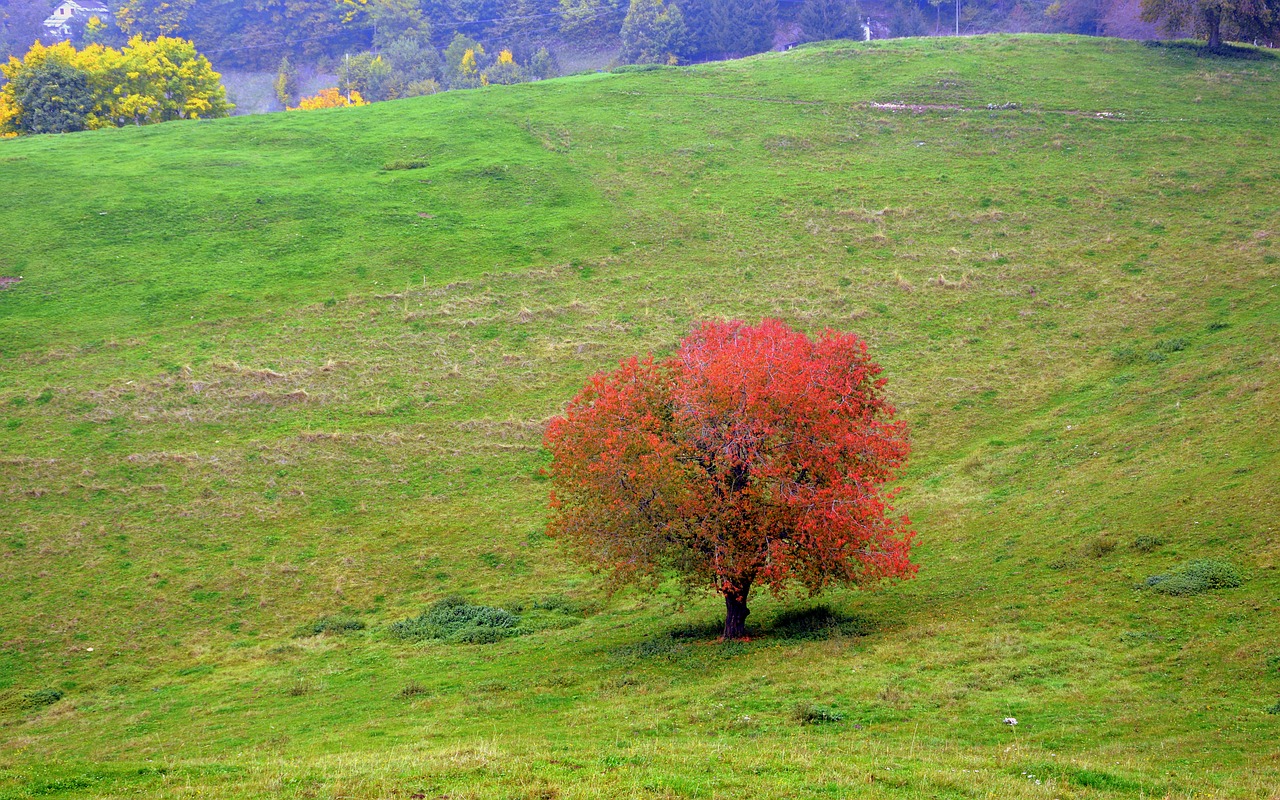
x: 1239, y: 19
x: 98, y: 87
x: 754, y: 455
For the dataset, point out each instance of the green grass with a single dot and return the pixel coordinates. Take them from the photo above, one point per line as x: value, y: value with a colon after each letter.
x: 253, y: 385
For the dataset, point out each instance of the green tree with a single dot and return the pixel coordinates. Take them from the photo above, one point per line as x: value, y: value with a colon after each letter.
x: 653, y: 33
x: 504, y: 70
x: 1211, y: 18
x: 396, y: 19
x: 543, y: 65
x: 742, y: 27
x: 152, y: 18
x: 463, y: 59
x: 589, y: 19
x: 415, y: 64
x: 286, y: 83
x: 370, y: 75
x: 51, y: 97
x: 96, y: 31
x: 907, y: 19
x: 827, y: 19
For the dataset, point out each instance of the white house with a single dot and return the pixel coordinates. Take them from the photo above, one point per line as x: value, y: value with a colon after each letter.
x: 68, y: 20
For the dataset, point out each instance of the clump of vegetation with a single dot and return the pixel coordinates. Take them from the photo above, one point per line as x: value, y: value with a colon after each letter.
x: 1275, y: 709
x: 1125, y: 355
x: 455, y: 620
x: 1196, y: 577
x: 810, y: 714
x: 1101, y: 547
x: 1273, y: 663
x: 406, y: 163
x: 1146, y: 544
x: 41, y: 698
x: 336, y: 625
x: 412, y: 689
x: 559, y: 603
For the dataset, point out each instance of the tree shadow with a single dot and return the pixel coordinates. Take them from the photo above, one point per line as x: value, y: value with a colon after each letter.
x: 1224, y: 50
x: 819, y: 622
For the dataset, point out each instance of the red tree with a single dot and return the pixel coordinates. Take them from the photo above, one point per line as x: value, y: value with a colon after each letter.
x: 754, y: 455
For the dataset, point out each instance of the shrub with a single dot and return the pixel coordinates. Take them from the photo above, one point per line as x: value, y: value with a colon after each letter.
x: 453, y: 619
x: 1196, y: 577
x: 1273, y: 663
x: 1100, y: 547
x: 810, y: 714
x: 331, y: 624
x: 41, y: 698
x: 559, y: 603
x: 1146, y: 544
x: 1274, y: 709
x: 1125, y: 355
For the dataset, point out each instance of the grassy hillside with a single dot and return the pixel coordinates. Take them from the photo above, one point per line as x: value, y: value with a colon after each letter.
x: 255, y: 377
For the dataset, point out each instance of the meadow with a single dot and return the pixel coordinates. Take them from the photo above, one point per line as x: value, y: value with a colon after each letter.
x: 270, y: 385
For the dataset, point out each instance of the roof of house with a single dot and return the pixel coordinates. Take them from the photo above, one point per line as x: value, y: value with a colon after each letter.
x: 76, y: 10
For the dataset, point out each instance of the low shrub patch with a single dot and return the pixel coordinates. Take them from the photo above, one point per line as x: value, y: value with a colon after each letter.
x: 331, y: 624
x: 41, y: 698
x: 1196, y: 577
x: 455, y: 620
x: 1146, y: 544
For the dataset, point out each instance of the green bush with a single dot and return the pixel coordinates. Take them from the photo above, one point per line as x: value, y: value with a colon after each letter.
x: 41, y: 698
x: 1125, y: 355
x: 331, y: 624
x: 1196, y: 577
x: 453, y: 619
x: 1146, y: 544
x: 558, y: 603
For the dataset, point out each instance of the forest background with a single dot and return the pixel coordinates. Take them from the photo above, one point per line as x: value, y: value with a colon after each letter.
x: 272, y: 52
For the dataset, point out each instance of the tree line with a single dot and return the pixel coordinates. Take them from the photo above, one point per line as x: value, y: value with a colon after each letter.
x: 149, y: 60
x: 258, y: 34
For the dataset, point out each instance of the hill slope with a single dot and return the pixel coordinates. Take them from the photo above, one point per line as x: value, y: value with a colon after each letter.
x: 258, y: 374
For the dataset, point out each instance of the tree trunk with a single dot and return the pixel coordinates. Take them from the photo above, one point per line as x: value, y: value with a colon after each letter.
x: 1213, y: 20
x: 735, y: 614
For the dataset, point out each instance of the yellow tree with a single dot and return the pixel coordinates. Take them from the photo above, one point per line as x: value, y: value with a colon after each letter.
x: 146, y: 82
x: 162, y: 80
x: 330, y: 98
x: 39, y: 58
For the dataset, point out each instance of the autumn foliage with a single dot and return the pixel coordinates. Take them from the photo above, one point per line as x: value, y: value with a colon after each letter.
x: 754, y: 455
x: 147, y: 81
x: 330, y: 98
